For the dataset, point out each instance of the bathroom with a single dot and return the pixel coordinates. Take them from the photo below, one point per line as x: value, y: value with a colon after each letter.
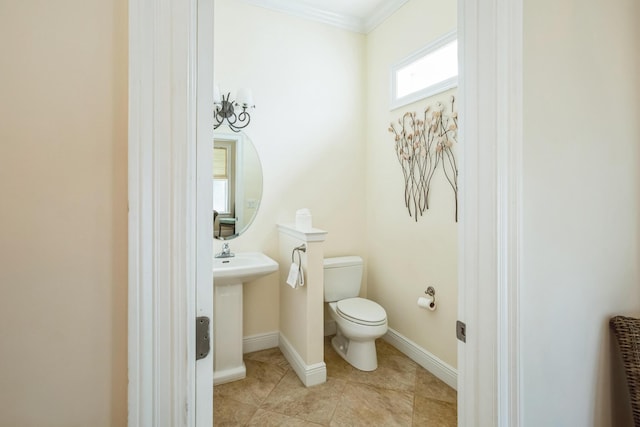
x: 320, y: 128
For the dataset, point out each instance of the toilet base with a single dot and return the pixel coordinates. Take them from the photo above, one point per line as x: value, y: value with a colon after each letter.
x: 360, y: 354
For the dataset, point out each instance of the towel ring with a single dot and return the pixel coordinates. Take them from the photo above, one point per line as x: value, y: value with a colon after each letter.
x: 298, y: 249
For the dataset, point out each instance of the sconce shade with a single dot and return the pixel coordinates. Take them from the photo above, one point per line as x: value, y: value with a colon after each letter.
x: 217, y: 98
x: 244, y: 97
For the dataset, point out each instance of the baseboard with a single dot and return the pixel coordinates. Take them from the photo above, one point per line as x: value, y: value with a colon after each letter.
x: 422, y: 357
x: 310, y: 375
x: 228, y: 375
x: 259, y: 342
x: 330, y: 327
x: 317, y: 373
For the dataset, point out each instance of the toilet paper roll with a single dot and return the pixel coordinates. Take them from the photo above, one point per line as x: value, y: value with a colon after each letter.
x: 427, y: 302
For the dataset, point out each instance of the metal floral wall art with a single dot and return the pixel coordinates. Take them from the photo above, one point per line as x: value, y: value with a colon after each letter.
x: 424, y: 145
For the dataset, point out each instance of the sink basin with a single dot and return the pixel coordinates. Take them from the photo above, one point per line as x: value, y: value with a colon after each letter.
x: 243, y: 267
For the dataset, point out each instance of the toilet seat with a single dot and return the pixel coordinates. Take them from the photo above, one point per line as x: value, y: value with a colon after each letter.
x: 361, y: 311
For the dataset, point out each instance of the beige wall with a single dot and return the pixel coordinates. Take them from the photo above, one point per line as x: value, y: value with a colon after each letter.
x: 312, y: 91
x: 313, y: 85
x: 63, y: 213
x: 581, y: 216
x: 405, y: 256
x: 308, y: 128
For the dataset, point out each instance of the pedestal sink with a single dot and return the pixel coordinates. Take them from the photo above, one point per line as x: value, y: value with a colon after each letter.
x: 229, y: 274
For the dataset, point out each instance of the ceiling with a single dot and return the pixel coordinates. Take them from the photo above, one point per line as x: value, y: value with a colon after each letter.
x: 360, y: 16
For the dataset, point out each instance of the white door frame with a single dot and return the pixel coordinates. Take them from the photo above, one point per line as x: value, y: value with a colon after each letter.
x: 170, y: 219
x: 490, y: 91
x: 201, y: 189
x: 166, y: 127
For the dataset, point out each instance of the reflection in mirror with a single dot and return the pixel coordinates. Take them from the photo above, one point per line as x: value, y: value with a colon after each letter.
x: 237, y: 184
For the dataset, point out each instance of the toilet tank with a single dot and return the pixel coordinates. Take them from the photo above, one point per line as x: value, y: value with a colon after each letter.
x: 342, y: 277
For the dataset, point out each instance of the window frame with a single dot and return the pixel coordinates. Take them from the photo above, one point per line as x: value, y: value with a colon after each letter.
x: 228, y: 146
x: 434, y: 89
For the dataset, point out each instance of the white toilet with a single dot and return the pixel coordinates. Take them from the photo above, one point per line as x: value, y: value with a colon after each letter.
x: 360, y: 321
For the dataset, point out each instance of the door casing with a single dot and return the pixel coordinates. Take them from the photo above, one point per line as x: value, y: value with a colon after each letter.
x: 170, y: 91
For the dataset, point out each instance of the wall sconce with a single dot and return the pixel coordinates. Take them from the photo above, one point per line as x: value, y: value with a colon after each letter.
x: 224, y: 109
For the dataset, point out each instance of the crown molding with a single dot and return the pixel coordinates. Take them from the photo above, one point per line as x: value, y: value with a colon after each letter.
x: 344, y: 21
x: 379, y: 16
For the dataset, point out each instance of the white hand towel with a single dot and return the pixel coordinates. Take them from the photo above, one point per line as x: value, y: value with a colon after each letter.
x: 292, y: 279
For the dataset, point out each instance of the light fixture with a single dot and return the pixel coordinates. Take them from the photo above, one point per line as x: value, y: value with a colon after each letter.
x: 224, y: 109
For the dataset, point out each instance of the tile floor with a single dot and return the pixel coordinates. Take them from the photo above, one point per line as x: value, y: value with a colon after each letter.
x: 398, y: 393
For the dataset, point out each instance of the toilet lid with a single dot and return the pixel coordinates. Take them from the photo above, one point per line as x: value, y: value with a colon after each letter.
x: 362, y: 311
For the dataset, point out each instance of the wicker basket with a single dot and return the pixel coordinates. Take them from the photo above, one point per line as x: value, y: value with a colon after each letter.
x: 627, y: 331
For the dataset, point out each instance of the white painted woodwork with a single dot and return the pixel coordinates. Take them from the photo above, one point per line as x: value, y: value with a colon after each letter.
x: 429, y: 361
x: 490, y: 91
x: 361, y: 17
x: 427, y: 91
x: 259, y: 342
x: 202, y: 401
x: 167, y: 260
x: 309, y: 374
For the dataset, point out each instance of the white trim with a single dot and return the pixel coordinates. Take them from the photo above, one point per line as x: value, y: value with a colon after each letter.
x: 422, y: 357
x: 259, y: 342
x: 230, y: 374
x: 139, y: 403
x: 310, y: 375
x: 162, y: 212
x: 381, y: 13
x: 490, y: 46
x: 311, y: 235
x: 301, y: 10
x: 346, y: 22
x: 509, y: 217
x: 203, y: 195
x: 428, y: 91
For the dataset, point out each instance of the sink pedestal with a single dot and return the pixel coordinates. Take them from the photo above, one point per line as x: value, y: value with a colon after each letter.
x: 227, y: 332
x: 229, y: 274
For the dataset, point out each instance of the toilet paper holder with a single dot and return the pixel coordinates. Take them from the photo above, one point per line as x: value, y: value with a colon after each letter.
x: 428, y: 302
x: 431, y: 292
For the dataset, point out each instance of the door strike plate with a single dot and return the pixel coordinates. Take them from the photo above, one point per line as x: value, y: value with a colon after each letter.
x: 461, y: 331
x: 203, y: 344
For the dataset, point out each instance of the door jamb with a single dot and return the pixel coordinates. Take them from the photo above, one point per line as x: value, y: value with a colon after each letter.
x: 490, y: 37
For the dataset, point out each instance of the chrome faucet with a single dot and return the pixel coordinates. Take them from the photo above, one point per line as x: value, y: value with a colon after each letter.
x: 226, y: 251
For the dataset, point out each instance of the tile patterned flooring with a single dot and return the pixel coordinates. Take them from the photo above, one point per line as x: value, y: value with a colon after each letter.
x: 398, y: 393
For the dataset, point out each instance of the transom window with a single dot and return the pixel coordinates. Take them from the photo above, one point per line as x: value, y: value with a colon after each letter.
x: 427, y: 72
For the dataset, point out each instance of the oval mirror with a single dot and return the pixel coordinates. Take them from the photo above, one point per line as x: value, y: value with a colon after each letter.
x: 237, y: 184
